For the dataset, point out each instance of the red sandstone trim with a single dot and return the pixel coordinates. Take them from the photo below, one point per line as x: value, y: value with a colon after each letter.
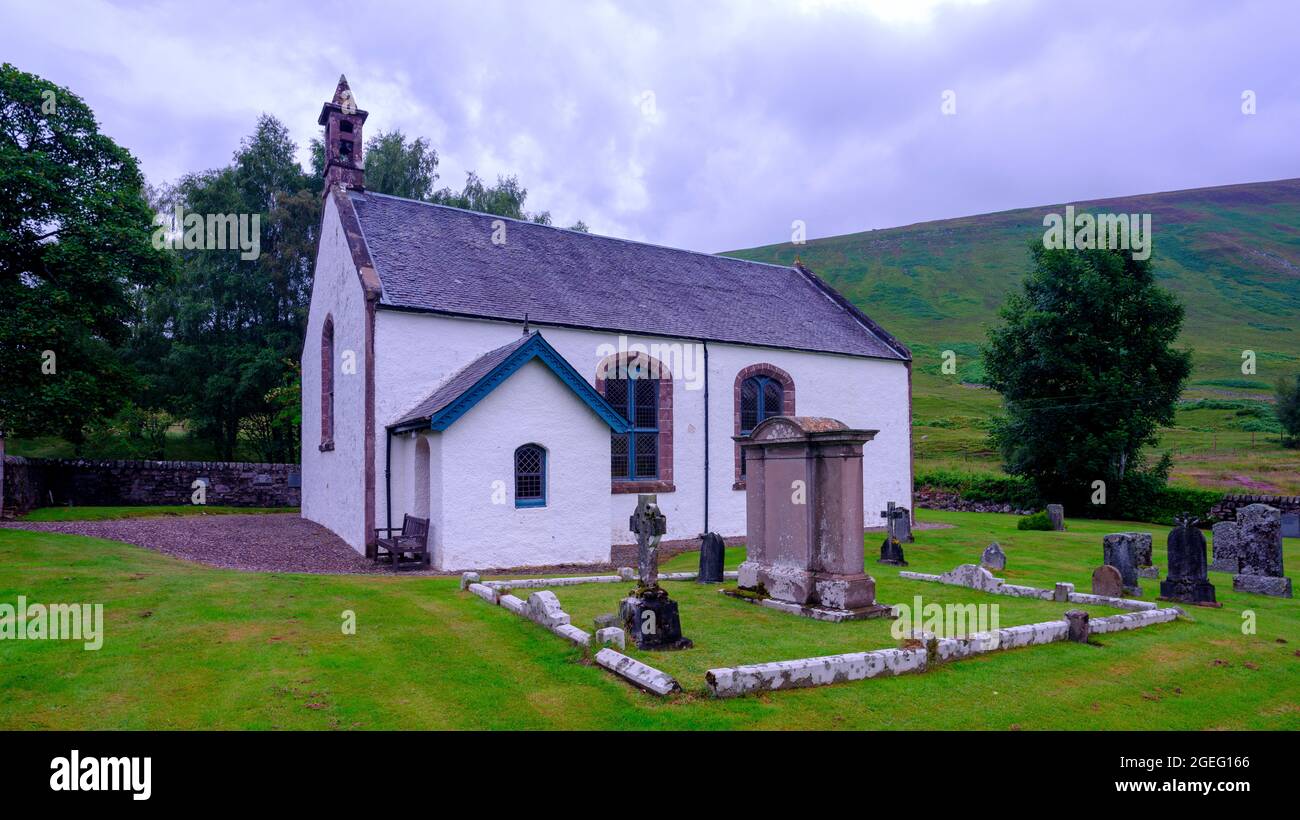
x: 373, y: 290
x: 327, y: 384
x: 787, y: 403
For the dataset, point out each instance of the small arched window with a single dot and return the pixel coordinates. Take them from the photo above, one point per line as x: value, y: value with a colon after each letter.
x: 530, y: 476
x: 760, y: 398
x: 327, y: 385
x: 762, y: 391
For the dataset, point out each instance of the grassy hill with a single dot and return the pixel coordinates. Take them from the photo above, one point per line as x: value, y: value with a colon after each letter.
x: 1231, y: 254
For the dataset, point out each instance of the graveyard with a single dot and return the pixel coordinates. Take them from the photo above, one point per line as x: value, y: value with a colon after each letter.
x: 199, y: 647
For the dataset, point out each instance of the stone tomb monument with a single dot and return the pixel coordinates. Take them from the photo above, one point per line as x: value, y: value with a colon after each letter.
x: 1259, y: 550
x: 1187, y: 581
x: 1120, y: 550
x: 804, y: 519
x: 649, y: 616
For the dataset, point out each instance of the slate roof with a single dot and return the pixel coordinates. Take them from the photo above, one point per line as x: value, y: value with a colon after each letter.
x: 442, y: 259
x: 481, y: 376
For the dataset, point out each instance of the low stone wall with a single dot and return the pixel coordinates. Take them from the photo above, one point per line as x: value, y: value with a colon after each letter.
x: 38, y: 482
x: 1226, y: 510
x: 928, y: 498
x: 625, y: 554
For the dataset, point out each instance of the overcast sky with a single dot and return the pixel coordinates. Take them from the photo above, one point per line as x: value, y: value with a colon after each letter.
x: 713, y: 125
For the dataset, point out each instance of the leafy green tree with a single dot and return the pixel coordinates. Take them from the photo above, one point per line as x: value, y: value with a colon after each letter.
x: 75, y: 255
x: 409, y: 168
x: 1087, y: 372
x: 1287, y: 393
x: 395, y: 166
x: 213, y: 347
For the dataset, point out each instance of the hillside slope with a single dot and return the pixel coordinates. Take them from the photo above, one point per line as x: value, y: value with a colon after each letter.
x: 1230, y: 253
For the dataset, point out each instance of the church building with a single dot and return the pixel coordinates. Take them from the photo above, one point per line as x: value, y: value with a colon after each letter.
x: 517, y: 385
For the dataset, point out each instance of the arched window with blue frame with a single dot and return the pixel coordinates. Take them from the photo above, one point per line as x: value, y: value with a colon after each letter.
x: 635, y: 455
x: 530, y: 476
x: 760, y: 398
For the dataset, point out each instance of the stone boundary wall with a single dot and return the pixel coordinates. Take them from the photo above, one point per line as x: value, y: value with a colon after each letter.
x: 625, y: 554
x: 1226, y: 510
x: 40, y: 482
x: 928, y: 498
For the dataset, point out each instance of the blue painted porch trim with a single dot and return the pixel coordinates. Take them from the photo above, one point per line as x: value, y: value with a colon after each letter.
x: 535, y: 348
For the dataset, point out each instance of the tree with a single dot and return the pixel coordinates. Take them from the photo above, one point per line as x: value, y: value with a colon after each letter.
x: 409, y: 169
x: 75, y: 255
x: 213, y: 347
x: 1087, y: 372
x: 395, y: 166
x: 1287, y: 408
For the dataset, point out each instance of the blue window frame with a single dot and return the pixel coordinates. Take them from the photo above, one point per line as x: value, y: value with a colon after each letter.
x: 760, y: 398
x: 530, y: 476
x: 634, y: 455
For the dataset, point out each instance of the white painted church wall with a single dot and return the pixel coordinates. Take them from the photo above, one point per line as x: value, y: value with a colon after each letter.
x: 481, y: 527
x: 424, y: 349
x: 333, y: 482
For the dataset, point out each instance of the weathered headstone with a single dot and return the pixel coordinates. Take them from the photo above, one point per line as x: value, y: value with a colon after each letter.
x: 1118, y: 550
x: 712, y: 549
x: 1187, y: 581
x: 891, y: 552
x: 1056, y: 514
x: 1142, y: 555
x: 1259, y: 545
x: 898, y: 523
x: 969, y: 575
x: 1106, y: 581
x: 803, y: 497
x: 1291, y: 525
x: 1077, y: 619
x: 1224, y: 543
x: 993, y: 557
x: 649, y: 616
x: 544, y: 608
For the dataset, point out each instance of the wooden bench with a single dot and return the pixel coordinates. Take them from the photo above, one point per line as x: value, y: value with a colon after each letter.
x: 412, y: 540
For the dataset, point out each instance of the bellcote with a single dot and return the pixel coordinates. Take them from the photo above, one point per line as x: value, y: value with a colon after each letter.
x: 343, y: 121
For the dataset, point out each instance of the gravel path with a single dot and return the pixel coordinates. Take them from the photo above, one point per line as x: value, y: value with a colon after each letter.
x: 281, y: 542
x: 259, y: 543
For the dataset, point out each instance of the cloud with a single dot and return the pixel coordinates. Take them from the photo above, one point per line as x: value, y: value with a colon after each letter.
x: 713, y: 125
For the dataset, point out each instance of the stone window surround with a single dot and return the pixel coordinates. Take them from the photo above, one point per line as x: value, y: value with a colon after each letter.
x: 664, y: 484
x: 327, y: 384
x: 787, y: 403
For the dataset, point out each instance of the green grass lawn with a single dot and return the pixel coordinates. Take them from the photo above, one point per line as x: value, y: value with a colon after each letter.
x: 113, y: 513
x: 188, y: 646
